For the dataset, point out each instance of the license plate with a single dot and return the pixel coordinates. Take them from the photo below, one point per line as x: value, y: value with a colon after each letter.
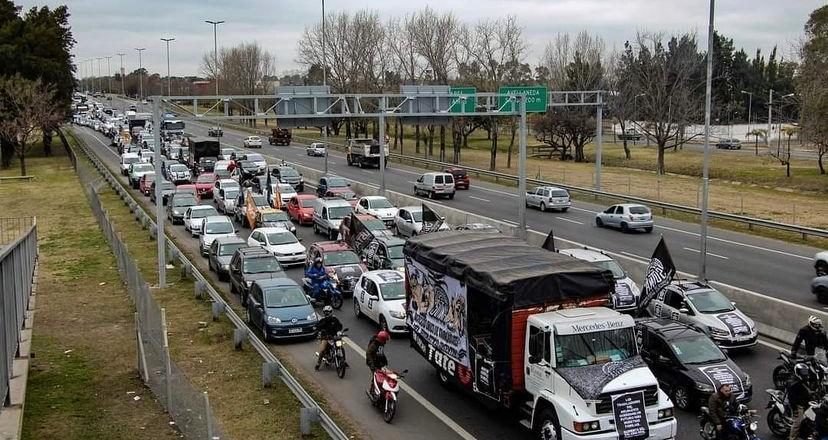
x: 294, y: 330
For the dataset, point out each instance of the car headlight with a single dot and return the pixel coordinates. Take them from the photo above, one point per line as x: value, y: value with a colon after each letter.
x: 273, y: 320
x: 399, y: 314
x: 176, y: 212
x: 313, y: 316
x: 248, y: 283
x: 665, y: 413
x: 704, y: 387
x: 717, y: 332
x: 754, y: 426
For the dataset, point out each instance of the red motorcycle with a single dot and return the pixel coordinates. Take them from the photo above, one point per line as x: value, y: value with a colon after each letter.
x: 384, y: 389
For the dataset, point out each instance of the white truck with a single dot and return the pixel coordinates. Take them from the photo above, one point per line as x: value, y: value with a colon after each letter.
x: 365, y: 152
x: 526, y: 329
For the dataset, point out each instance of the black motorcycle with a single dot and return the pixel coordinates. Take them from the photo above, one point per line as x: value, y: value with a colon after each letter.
x: 739, y: 425
x: 782, y: 373
x: 335, y: 354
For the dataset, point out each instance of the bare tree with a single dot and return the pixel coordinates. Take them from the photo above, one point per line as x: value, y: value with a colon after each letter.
x: 621, y: 96
x: 26, y: 106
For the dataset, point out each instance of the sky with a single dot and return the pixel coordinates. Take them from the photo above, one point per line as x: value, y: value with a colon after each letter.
x: 107, y: 27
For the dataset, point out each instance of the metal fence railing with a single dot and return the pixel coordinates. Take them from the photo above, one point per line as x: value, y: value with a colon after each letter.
x: 272, y: 368
x: 18, y: 257
x: 188, y: 407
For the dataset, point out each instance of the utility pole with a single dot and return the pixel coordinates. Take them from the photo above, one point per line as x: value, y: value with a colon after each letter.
x: 770, y: 105
x: 122, y: 73
x: 169, y: 80
x: 750, y: 105
x: 381, y: 144
x: 215, y: 51
x: 159, y: 195
x: 522, y: 169
x: 599, y: 140
x: 706, y: 161
x: 108, y: 75
x: 100, y: 80
x: 141, y: 78
x: 325, y: 83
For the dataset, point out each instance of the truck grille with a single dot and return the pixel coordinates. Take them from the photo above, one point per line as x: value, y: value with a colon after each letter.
x: 604, y: 405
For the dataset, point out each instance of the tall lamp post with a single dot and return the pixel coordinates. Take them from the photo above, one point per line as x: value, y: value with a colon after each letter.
x: 108, y: 75
x: 140, y: 77
x: 325, y: 83
x: 215, y: 51
x: 169, y: 80
x: 706, y: 161
x: 121, y: 55
x: 100, y: 80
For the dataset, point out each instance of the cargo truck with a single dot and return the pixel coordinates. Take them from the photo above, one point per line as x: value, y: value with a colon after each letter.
x: 528, y: 330
x: 280, y: 136
x: 199, y: 147
x: 364, y: 153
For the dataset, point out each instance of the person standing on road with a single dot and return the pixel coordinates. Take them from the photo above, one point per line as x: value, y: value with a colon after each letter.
x: 799, y: 396
x: 812, y: 335
x: 720, y: 404
x: 328, y: 327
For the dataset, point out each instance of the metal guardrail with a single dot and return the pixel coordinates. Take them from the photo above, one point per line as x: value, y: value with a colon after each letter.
x: 307, y: 401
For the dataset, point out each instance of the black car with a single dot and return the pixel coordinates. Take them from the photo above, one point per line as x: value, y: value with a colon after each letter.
x: 289, y: 175
x: 689, y: 366
x: 177, y: 206
x: 281, y: 310
x: 248, y: 169
x: 206, y: 164
x: 221, y: 252
x: 330, y: 182
x: 250, y: 264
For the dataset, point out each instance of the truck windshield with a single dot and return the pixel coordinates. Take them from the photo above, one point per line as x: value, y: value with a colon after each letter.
x: 583, y: 349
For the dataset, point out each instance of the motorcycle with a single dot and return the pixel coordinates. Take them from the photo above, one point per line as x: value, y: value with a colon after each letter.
x: 335, y: 355
x: 384, y: 389
x: 782, y: 373
x: 738, y: 426
x: 779, y: 414
x: 817, y: 364
x: 326, y: 293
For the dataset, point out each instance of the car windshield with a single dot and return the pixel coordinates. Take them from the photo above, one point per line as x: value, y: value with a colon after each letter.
x: 583, y: 349
x: 167, y: 186
x: 129, y: 160
x: 228, y: 249
x: 559, y: 193
x: 337, y: 182
x: 381, y: 204
x: 339, y: 258
x: 277, y: 238
x: 203, y: 212
x: 616, y: 269
x: 222, y: 173
x: 374, y: 224
x: 254, y: 138
x: 347, y: 195
x: 226, y: 152
x: 418, y: 216
x: 220, y: 228
x: 231, y: 193
x: 267, y: 264
x: 255, y: 158
x: 142, y: 167
x: 639, y: 210
x: 288, y: 172
x: 339, y: 212
x: 391, y: 291
x: 260, y: 200
x: 205, y: 178
x: 697, y: 350
x: 178, y: 168
x: 289, y: 296
x: 184, y: 201
x: 306, y: 203
x: 395, y: 252
x: 710, y: 301
x: 285, y: 188
x: 247, y: 164
x: 275, y: 216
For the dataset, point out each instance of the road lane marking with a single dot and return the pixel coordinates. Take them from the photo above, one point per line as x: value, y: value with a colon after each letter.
x: 478, y: 198
x: 570, y: 220
x: 736, y: 243
x: 709, y: 253
x: 482, y: 188
x: 454, y: 426
x: 637, y: 257
x: 509, y: 222
x: 773, y: 346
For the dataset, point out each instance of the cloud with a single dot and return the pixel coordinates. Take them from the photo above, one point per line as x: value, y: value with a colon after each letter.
x: 104, y: 28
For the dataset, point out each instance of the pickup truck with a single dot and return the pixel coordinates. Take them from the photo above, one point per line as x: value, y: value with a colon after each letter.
x: 525, y: 329
x: 364, y: 153
x: 280, y: 136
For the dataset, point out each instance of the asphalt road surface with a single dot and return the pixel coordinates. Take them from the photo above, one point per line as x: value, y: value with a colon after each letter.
x: 427, y: 410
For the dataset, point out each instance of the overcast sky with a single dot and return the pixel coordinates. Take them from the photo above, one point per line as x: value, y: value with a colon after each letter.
x: 107, y: 27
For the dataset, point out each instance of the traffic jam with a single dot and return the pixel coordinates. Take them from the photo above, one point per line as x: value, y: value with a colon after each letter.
x: 563, y: 339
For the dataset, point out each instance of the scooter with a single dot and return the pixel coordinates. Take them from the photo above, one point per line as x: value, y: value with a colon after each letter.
x: 326, y: 293
x: 335, y: 355
x: 738, y: 426
x: 384, y: 389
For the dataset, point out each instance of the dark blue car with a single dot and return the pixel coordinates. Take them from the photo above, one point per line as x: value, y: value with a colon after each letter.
x: 281, y: 310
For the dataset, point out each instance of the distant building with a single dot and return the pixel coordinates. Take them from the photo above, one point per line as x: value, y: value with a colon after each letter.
x: 202, y: 87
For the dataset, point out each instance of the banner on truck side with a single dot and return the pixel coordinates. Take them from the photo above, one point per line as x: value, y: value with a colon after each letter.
x: 437, y: 311
x: 630, y: 416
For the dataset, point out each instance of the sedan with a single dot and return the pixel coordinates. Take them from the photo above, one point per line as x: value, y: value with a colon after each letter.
x: 212, y: 228
x: 195, y: 216
x: 626, y: 216
x: 258, y: 159
x: 379, y: 207
x: 253, y: 142
x: 281, y: 310
x: 380, y: 296
x: 281, y: 193
x: 204, y: 185
x: 280, y: 242
x: 316, y: 149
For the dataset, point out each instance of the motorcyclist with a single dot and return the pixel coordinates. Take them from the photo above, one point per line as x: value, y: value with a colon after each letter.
x: 799, y: 396
x: 812, y: 335
x: 375, y: 355
x: 328, y: 327
x: 720, y: 404
x: 317, y: 275
x: 821, y: 420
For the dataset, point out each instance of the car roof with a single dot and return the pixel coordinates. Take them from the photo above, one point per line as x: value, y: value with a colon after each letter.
x: 412, y: 208
x: 392, y: 241
x: 689, y: 286
x: 217, y: 218
x: 331, y: 246
x: 305, y: 196
x: 384, y: 276
x: 125, y: 155
x: 203, y: 207
x: 334, y: 201
x: 631, y: 205
x: 276, y: 282
x: 271, y: 229
x: 586, y: 254
x: 374, y: 197
x: 225, y: 181
x: 551, y: 188
x: 436, y: 174
x: 254, y: 250
x: 669, y: 329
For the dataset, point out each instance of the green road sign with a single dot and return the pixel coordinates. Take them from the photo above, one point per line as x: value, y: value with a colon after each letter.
x: 536, y: 98
x: 469, y: 105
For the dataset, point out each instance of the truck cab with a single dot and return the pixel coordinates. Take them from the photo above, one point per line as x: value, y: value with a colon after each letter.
x: 578, y: 363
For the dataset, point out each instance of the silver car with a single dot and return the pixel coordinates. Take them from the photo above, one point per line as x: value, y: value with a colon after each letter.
x: 548, y: 197
x: 409, y: 221
x: 706, y: 308
x: 626, y: 216
x: 316, y: 149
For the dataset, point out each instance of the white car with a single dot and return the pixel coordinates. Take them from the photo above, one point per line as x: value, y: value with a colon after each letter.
x: 316, y: 149
x: 548, y: 197
x: 212, y: 228
x: 380, y: 295
x: 286, y: 192
x: 128, y: 159
x: 194, y: 217
x: 379, y: 207
x: 137, y: 170
x: 253, y: 142
x: 409, y: 221
x: 627, y: 294
x: 225, y: 199
x: 626, y: 216
x: 258, y: 159
x: 281, y: 243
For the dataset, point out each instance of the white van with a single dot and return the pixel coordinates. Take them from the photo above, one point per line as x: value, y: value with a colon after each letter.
x: 435, y: 184
x: 328, y: 214
x: 128, y: 159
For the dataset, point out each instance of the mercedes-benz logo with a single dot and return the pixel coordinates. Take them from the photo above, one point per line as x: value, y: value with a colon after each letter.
x: 293, y: 320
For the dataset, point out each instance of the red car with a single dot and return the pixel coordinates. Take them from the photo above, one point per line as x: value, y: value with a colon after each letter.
x: 340, y: 261
x: 145, y: 183
x: 461, y: 178
x: 344, y: 193
x: 300, y: 208
x: 204, y: 185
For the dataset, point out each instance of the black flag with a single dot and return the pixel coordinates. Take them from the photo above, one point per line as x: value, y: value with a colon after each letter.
x: 549, y: 243
x: 359, y: 235
x: 269, y: 193
x: 660, y: 273
x: 431, y: 220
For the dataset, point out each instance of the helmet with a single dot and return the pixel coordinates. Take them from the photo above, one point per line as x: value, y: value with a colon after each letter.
x: 383, y: 336
x: 802, y: 371
x: 815, y: 322
x: 327, y: 310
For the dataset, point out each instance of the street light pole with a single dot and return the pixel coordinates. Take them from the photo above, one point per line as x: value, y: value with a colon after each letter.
x: 750, y: 105
x: 140, y: 77
x: 100, y: 73
x: 215, y: 51
x: 108, y: 75
x: 169, y: 80
x: 121, y: 55
x: 325, y: 83
x: 706, y: 163
x: 770, y: 105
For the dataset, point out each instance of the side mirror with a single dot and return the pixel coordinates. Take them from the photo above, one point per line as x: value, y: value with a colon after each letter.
x: 534, y: 359
x: 373, y: 297
x: 236, y: 230
x: 349, y: 184
x: 684, y: 311
x: 344, y: 329
x: 733, y: 304
x: 300, y: 239
x: 663, y: 359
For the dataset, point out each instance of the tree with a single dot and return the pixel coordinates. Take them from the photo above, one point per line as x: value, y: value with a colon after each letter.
x: 620, y: 99
x: 811, y: 83
x: 783, y: 154
x: 757, y: 133
x: 26, y: 106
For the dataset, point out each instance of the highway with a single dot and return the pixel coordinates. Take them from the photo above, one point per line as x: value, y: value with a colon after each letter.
x: 434, y: 412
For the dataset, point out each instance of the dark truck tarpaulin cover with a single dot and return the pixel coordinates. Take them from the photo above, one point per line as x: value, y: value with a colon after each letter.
x: 508, y: 269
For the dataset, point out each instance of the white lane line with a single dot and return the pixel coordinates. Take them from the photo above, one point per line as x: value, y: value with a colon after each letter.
x: 773, y: 346
x: 478, y: 198
x: 496, y: 191
x: 736, y: 243
x: 637, y: 257
x: 509, y: 222
x: 406, y: 171
x: 575, y: 208
x: 570, y: 220
x: 709, y: 253
x: 454, y: 426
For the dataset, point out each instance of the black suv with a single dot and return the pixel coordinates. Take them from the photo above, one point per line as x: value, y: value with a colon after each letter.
x: 250, y: 264
x: 689, y: 366
x: 289, y: 175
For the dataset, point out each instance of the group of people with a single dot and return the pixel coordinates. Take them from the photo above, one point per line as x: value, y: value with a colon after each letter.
x: 800, y: 391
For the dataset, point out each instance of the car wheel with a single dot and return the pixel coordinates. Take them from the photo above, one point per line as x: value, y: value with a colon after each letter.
x: 357, y: 311
x: 443, y: 378
x: 543, y: 207
x: 451, y: 196
x: 599, y: 222
x: 547, y: 426
x: 821, y: 268
x: 416, y: 193
x: 265, y: 336
x: 332, y: 235
x: 383, y: 323
x: 624, y: 227
x: 431, y: 195
x: 681, y: 397
x: 315, y: 228
x: 564, y: 209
